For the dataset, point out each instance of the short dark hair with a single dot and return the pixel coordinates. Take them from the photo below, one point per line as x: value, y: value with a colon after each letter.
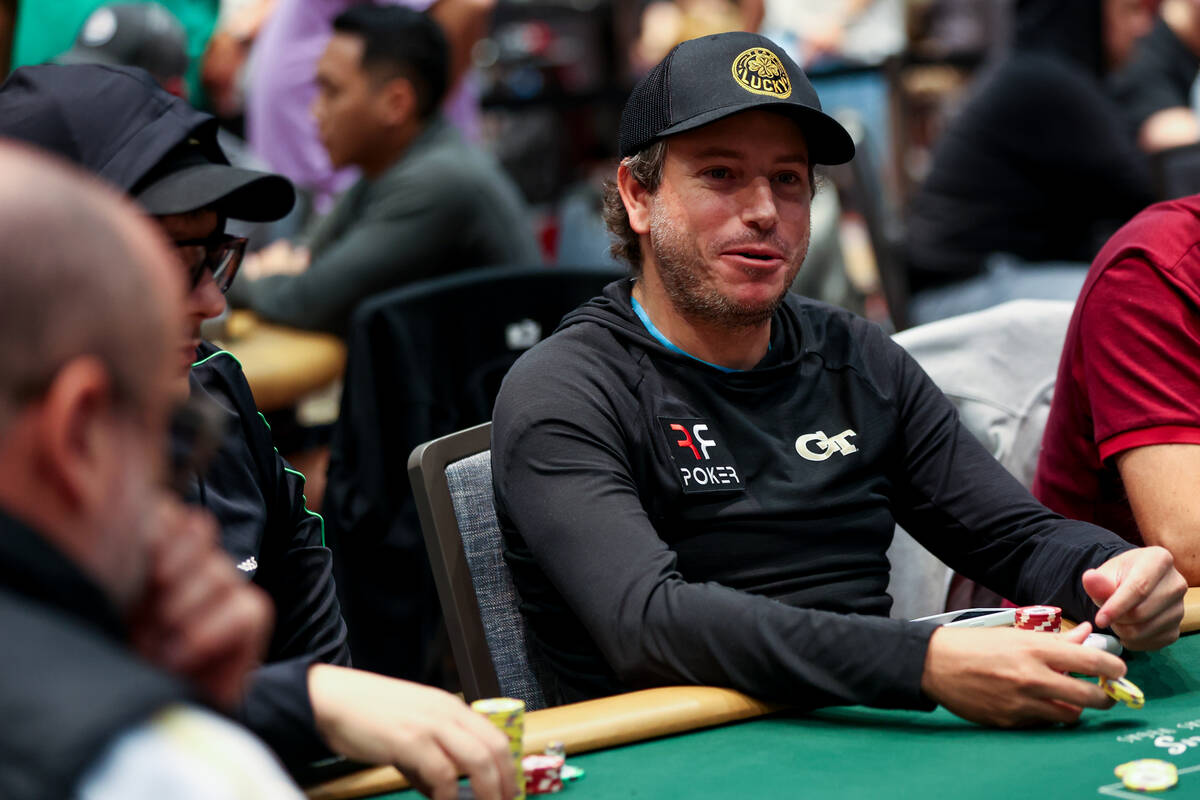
x: 645, y: 167
x: 402, y: 43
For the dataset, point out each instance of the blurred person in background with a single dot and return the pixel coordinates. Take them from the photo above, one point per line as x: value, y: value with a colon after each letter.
x: 1154, y: 89
x: 1039, y: 165
x: 428, y: 203
x: 821, y: 33
x: 46, y: 29
x: 281, y: 85
x: 303, y: 701
x: 102, y: 571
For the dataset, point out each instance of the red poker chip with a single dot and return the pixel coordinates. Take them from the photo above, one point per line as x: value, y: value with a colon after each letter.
x: 543, y: 774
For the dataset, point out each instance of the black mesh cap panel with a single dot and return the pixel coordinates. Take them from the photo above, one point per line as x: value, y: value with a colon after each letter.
x: 648, y: 109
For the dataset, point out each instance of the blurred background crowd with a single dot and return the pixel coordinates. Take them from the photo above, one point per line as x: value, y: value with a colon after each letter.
x: 540, y: 83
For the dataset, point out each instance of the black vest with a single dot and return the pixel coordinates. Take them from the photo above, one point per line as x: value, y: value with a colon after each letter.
x: 68, y: 684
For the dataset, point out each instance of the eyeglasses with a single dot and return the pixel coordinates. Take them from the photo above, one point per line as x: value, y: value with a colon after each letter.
x: 221, y: 255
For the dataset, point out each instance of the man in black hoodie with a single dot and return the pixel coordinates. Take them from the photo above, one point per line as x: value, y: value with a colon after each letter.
x: 304, y: 701
x: 698, y: 474
x: 1042, y: 163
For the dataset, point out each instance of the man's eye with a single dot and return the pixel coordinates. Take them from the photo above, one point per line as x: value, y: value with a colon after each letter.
x: 788, y: 178
x: 720, y: 173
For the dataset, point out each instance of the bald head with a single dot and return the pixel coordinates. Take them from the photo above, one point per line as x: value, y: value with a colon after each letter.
x: 82, y: 274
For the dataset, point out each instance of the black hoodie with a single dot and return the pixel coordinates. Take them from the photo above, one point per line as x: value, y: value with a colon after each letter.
x: 1040, y: 162
x: 669, y: 523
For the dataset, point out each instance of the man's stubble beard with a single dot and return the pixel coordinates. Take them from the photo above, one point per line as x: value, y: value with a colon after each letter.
x: 682, y: 270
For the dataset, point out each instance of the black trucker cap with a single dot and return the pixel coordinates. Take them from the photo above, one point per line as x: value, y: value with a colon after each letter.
x: 119, y: 124
x: 144, y: 35
x: 706, y: 79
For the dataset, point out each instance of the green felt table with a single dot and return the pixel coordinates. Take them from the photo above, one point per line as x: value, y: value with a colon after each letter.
x: 867, y: 753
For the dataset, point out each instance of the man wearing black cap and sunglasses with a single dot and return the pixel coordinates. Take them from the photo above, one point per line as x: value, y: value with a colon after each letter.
x: 699, y: 473
x: 303, y: 701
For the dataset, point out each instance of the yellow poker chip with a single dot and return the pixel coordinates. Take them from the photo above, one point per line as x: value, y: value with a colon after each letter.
x: 1124, y: 691
x: 1121, y: 769
x: 1148, y: 775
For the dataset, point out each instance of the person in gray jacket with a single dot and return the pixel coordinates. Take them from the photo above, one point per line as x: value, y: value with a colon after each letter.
x: 428, y: 203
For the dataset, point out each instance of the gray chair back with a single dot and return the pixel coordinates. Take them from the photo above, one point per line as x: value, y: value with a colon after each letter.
x: 998, y: 367
x: 452, y: 482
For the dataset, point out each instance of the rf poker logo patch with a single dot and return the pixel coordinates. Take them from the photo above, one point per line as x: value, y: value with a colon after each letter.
x: 760, y: 71
x: 704, y: 462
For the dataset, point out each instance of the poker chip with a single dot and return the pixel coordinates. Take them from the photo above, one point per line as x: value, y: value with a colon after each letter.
x: 1124, y: 691
x: 1046, y: 619
x: 556, y: 749
x: 507, y: 714
x: 1147, y: 775
x: 571, y: 773
x: 543, y: 774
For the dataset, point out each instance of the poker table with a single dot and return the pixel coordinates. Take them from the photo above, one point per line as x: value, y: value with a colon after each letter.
x: 281, y: 364
x: 645, y: 744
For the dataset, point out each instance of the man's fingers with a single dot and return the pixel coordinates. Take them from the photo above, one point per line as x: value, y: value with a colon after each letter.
x: 1077, y: 692
x: 496, y: 743
x: 1098, y: 586
x: 473, y: 758
x: 1078, y: 634
x: 1134, y: 587
x: 1064, y: 657
x: 237, y: 623
x: 430, y: 769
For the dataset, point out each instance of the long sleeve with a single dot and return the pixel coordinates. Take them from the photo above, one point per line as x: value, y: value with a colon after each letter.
x: 960, y: 503
x: 268, y: 531
x: 296, y: 569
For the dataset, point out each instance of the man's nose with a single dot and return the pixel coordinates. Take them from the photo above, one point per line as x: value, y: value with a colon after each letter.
x: 758, y: 204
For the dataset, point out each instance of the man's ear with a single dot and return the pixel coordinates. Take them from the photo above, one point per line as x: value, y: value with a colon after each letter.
x: 399, y: 101
x: 636, y: 198
x: 74, y: 432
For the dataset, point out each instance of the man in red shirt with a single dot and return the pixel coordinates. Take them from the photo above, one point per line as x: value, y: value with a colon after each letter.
x: 1121, y: 443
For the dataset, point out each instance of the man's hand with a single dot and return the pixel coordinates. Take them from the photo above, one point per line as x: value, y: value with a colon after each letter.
x: 1140, y: 595
x: 199, y: 618
x: 1013, y: 678
x: 429, y: 735
x: 277, y: 258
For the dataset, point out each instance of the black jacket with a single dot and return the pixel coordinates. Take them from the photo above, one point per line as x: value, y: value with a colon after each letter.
x: 68, y: 683
x: 1039, y: 163
x: 669, y: 523
x: 273, y: 538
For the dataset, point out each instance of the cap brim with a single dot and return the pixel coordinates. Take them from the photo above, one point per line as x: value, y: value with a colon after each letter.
x: 234, y: 193
x: 85, y: 55
x: 828, y: 141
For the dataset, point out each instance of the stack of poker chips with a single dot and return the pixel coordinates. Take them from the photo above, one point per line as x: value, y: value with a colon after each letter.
x: 508, y: 714
x: 1047, y: 619
x: 1148, y: 775
x: 543, y: 773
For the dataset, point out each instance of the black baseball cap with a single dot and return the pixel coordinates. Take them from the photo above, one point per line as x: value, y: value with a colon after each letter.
x: 706, y: 79
x: 119, y: 124
x: 144, y: 35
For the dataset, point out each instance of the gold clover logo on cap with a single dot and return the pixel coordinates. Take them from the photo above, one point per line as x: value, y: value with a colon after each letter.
x: 760, y: 71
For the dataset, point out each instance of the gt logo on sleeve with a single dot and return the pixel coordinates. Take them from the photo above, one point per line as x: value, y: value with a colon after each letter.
x: 704, y: 464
